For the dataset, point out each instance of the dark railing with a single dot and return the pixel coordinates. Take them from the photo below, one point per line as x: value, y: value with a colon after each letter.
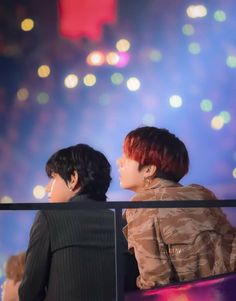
x: 118, y: 207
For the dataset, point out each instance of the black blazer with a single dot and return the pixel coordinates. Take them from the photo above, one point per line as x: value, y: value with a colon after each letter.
x: 70, y: 256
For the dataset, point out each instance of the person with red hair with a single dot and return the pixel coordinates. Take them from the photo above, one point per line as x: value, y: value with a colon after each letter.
x: 174, y: 244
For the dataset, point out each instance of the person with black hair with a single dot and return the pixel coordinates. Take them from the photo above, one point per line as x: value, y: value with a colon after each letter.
x: 71, y: 252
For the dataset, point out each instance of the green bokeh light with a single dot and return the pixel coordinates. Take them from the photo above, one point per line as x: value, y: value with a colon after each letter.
x: 206, y: 105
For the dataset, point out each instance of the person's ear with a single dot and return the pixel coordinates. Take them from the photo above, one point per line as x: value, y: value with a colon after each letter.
x: 74, y: 180
x: 150, y: 171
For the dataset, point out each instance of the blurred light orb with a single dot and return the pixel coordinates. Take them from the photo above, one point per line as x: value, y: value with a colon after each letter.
x: 6, y: 199
x: 44, y: 71
x: 188, y: 29
x: 196, y: 11
x: 234, y: 173
x: 124, y: 58
x: 112, y: 58
x: 217, y: 123
x: 90, y: 80
x: 194, y: 48
x: 123, y: 45
x: 149, y: 119
x: 231, y: 61
x: 175, y: 101
x: 155, y: 55
x: 39, y: 192
x: 22, y: 94
x: 71, y: 81
x: 42, y: 98
x: 133, y: 84
x: 219, y: 16
x: 226, y: 116
x: 206, y: 105
x: 27, y: 24
x: 117, y: 78
x: 95, y: 58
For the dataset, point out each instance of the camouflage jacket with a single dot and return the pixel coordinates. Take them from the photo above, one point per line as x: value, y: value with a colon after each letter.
x: 179, y: 244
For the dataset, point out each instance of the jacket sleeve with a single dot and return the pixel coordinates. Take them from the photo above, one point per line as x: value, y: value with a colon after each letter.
x: 37, y: 265
x: 143, y: 238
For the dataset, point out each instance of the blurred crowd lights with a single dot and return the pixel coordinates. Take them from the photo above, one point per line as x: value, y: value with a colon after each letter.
x: 99, y: 58
x: 39, y: 192
x: 27, y: 24
x: 231, y: 61
x: 117, y: 78
x: 133, y: 84
x: 194, y: 48
x: 206, y: 105
x: 220, y: 120
x: 188, y: 29
x: 89, y: 80
x: 42, y: 98
x: 196, y: 11
x: 44, y: 71
x: 123, y: 45
x: 6, y: 199
x: 119, y: 58
x: 220, y: 16
x: 71, y: 81
x: 175, y: 101
x: 22, y: 94
x: 234, y: 173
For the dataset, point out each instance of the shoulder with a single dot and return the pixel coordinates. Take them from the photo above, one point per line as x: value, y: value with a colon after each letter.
x: 199, y: 192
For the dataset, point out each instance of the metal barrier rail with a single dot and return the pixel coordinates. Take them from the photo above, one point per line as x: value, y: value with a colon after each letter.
x: 117, y: 207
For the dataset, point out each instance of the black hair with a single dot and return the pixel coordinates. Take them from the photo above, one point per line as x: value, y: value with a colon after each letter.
x: 91, y: 165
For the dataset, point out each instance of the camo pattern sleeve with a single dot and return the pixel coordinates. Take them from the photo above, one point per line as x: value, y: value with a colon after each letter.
x: 178, y: 244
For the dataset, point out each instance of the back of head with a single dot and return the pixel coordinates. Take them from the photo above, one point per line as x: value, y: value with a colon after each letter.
x: 15, y: 266
x: 91, y: 165
x: 156, y: 146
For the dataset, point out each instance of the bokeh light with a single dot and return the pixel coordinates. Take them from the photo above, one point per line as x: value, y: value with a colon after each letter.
x: 231, y: 61
x: 217, y: 122
x: 234, y: 173
x: 27, y: 24
x: 124, y: 59
x: 196, y: 11
x: 194, y: 48
x: 90, y: 80
x: 219, y: 16
x: 176, y: 101
x: 123, y: 45
x: 188, y: 29
x: 71, y: 81
x: 226, y: 116
x: 44, y: 71
x: 112, y: 58
x: 42, y: 98
x: 39, y: 192
x: 133, y: 84
x: 22, y: 94
x: 206, y: 105
x: 96, y: 58
x: 6, y: 199
x: 117, y: 78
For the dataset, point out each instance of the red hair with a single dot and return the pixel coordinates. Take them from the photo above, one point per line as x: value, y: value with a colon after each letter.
x: 154, y: 146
